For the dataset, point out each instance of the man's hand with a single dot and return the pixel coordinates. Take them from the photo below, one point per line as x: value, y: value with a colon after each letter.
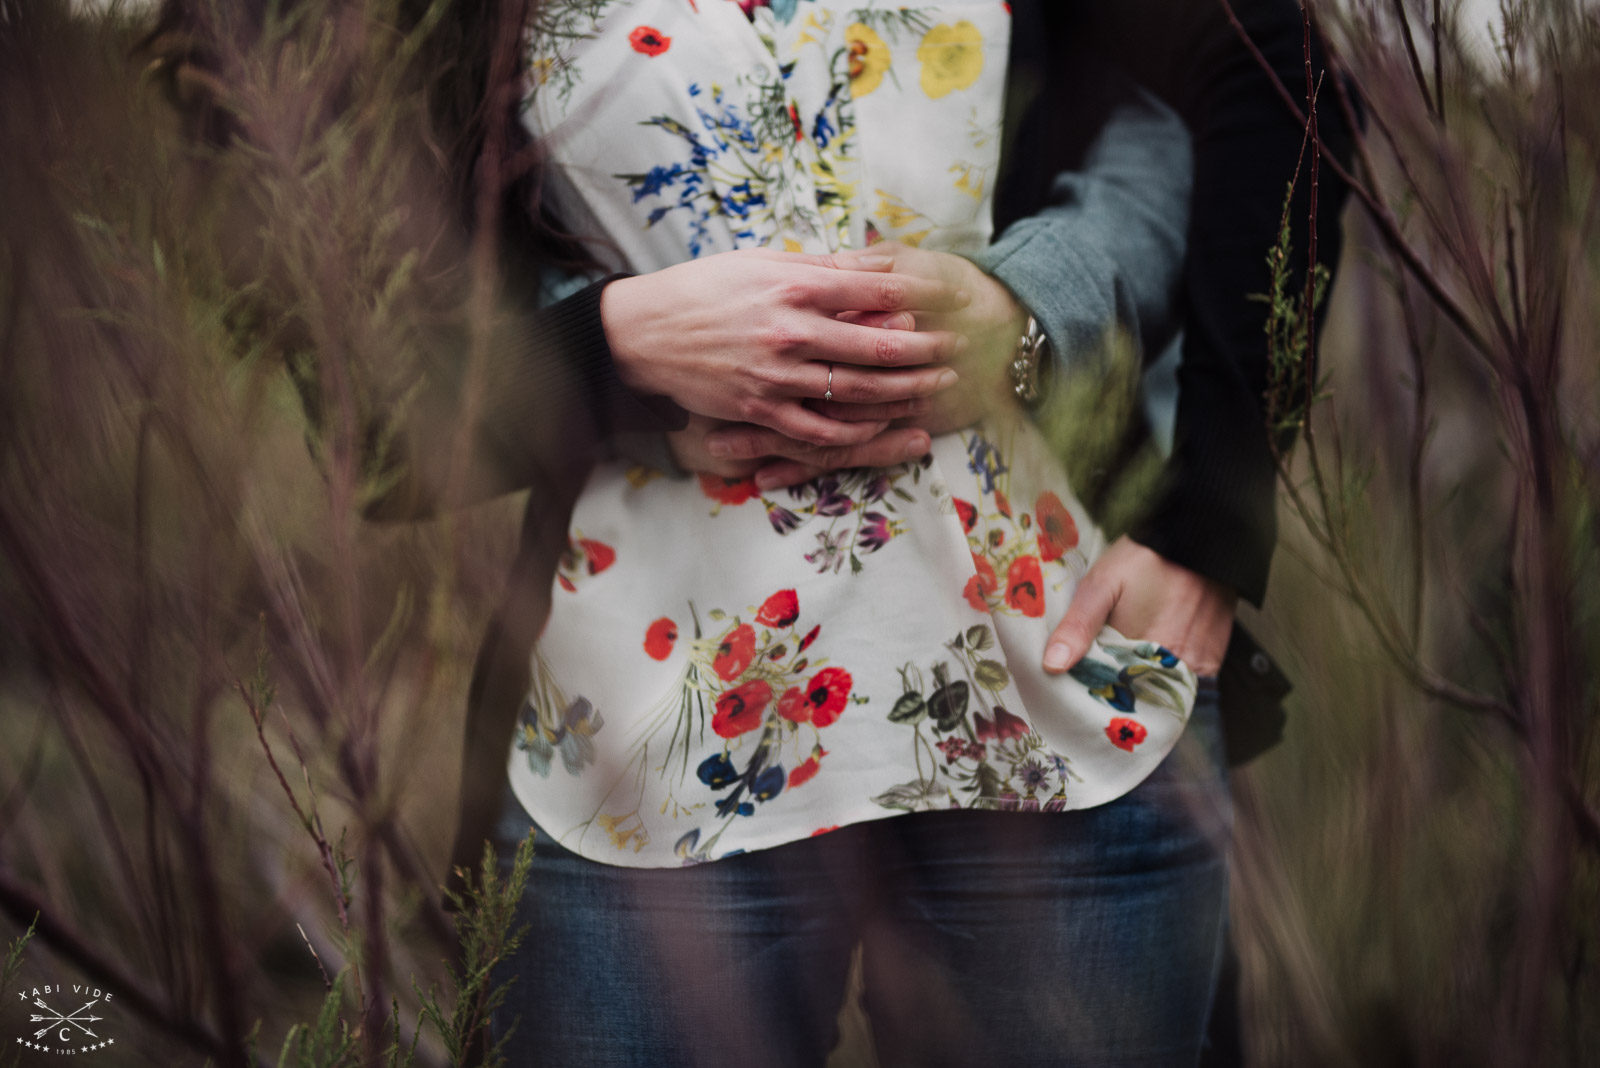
x: 1144, y: 595
x: 989, y: 325
x: 699, y: 448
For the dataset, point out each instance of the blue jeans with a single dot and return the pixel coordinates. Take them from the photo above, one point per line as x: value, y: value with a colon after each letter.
x: 1086, y: 938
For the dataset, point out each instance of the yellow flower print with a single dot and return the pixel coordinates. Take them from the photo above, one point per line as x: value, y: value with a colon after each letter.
x: 897, y: 215
x: 639, y: 476
x: 969, y: 179
x: 623, y: 835
x: 894, y: 211
x: 869, y: 58
x: 951, y: 58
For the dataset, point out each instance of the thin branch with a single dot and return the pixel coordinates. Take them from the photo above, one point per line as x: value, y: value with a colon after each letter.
x: 1438, y: 68
x: 311, y: 822
x: 1411, y: 53
x: 327, y: 983
x: 1512, y: 281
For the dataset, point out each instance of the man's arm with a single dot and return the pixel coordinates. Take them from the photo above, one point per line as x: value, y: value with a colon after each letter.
x: 548, y: 394
x: 1106, y: 246
x: 1103, y: 190
x: 1217, y: 513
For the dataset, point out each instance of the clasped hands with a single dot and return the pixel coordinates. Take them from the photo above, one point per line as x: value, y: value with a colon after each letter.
x: 916, y: 343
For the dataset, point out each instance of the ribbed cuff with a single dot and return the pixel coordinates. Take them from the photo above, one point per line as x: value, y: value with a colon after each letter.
x: 577, y: 329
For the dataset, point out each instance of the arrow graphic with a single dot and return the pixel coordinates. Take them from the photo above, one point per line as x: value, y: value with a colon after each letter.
x: 55, y: 1018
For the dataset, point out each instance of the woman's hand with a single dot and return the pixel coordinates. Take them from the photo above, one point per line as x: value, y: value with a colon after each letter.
x: 1144, y: 595
x: 749, y: 335
x: 990, y: 324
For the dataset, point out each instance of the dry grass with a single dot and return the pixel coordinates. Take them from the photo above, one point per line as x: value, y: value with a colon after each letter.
x: 1415, y: 880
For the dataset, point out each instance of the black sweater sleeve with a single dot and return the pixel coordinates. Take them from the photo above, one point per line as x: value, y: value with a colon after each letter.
x: 549, y: 394
x: 1217, y: 514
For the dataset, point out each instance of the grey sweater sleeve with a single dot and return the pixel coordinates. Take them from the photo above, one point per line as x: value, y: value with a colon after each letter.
x: 1107, y: 249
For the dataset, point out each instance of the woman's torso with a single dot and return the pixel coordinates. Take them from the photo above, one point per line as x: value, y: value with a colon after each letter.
x: 725, y: 669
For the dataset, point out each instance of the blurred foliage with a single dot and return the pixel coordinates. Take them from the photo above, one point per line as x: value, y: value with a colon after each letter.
x: 1419, y: 867
x: 230, y: 705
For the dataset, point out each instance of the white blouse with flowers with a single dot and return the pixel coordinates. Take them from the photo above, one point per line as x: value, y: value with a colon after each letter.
x: 725, y: 669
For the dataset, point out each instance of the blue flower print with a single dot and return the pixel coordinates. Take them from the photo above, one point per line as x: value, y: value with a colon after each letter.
x: 573, y: 738
x: 984, y: 461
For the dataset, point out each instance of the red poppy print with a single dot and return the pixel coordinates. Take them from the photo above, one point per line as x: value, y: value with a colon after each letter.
x: 792, y: 705
x: 660, y: 638
x: 598, y: 554
x: 808, y: 769
x: 1058, y: 532
x: 794, y: 117
x: 649, y: 40
x: 735, y: 652
x: 728, y: 490
x: 824, y: 830
x: 1002, y: 503
x: 780, y: 610
x: 739, y: 710
x: 1025, y: 586
x: 811, y: 636
x: 566, y: 584
x: 827, y: 694
x: 982, y: 585
x: 1126, y: 733
x: 968, y: 514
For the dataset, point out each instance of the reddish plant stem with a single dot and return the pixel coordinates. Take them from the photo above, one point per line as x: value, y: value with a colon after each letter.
x: 1381, y: 216
x: 1438, y: 68
x: 1411, y: 52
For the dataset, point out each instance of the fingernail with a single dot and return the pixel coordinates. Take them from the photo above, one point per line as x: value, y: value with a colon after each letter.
x: 1057, y: 655
x: 718, y: 448
x: 919, y: 406
x: 872, y: 261
x: 917, y: 446
x: 901, y: 321
x: 765, y: 480
x: 963, y: 298
x: 948, y: 378
x: 961, y: 344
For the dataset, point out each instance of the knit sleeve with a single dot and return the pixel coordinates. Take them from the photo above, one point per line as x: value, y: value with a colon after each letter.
x: 547, y: 396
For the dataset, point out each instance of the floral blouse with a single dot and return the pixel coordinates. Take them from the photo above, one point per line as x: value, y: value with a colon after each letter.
x: 725, y: 669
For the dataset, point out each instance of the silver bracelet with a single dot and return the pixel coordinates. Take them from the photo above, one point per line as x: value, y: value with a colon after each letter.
x: 1025, y: 364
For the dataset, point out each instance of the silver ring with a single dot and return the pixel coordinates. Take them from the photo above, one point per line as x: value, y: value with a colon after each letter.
x: 828, y: 396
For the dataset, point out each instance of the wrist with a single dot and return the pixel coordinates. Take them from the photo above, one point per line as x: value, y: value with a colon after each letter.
x: 621, y: 319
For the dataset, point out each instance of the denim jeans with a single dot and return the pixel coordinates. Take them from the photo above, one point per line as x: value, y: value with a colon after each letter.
x: 1086, y: 938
